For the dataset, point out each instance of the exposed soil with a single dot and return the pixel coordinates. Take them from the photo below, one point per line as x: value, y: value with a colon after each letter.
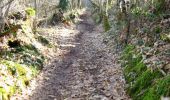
x: 83, y: 68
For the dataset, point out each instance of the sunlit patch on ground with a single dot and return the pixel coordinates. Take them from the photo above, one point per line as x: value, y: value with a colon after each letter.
x: 82, y: 66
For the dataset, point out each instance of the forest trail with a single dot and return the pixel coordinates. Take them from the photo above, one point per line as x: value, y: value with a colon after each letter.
x: 83, y: 70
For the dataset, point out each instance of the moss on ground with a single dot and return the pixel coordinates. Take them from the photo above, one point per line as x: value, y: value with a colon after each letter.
x: 15, y: 78
x: 30, y: 11
x: 18, y: 66
x: 143, y: 84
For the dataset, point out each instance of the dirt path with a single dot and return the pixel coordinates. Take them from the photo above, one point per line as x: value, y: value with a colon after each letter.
x: 85, y: 70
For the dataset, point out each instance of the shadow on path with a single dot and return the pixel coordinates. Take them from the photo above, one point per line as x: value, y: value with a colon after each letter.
x: 86, y: 71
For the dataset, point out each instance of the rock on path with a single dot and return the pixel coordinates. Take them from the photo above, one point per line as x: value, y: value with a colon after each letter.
x: 84, y: 71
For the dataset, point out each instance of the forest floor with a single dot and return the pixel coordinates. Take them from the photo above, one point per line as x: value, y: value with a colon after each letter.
x: 82, y: 68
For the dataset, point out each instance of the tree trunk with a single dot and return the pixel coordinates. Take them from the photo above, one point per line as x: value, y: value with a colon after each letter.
x: 35, y: 19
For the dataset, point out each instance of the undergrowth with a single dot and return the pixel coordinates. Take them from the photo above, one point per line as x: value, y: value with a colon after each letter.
x: 142, y: 83
x: 26, y: 54
x: 15, y: 78
x: 17, y: 67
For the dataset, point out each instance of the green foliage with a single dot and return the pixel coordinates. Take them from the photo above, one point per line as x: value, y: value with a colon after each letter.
x: 63, y: 4
x: 26, y: 54
x: 127, y: 52
x: 150, y: 16
x: 137, y: 11
x: 97, y: 18
x: 142, y: 83
x: 165, y: 37
x: 3, y: 94
x: 30, y: 12
x: 106, y: 24
x: 159, y: 6
x: 157, y: 29
x: 133, y: 65
x: 151, y: 95
x: 15, y: 77
x: 43, y: 40
x: 30, y: 56
x: 160, y: 88
x: 142, y: 12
